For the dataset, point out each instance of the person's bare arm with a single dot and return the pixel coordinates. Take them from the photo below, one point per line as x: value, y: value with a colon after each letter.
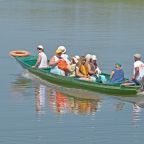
x: 78, y: 74
x: 38, y: 61
x: 89, y: 69
x: 52, y: 62
x: 111, y: 74
x: 136, y: 73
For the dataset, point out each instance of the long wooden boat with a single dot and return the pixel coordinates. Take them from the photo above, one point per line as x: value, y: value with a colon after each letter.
x: 114, y: 89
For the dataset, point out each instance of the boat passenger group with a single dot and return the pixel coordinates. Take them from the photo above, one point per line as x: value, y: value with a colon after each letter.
x: 86, y: 67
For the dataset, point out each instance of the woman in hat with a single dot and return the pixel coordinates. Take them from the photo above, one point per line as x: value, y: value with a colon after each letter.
x: 42, y: 61
x: 92, y: 66
x: 54, y: 61
x: 64, y: 55
x: 72, y: 66
x: 117, y: 74
x: 81, y: 70
x: 95, y: 71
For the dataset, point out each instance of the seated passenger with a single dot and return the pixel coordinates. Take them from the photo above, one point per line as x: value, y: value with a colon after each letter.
x: 54, y: 63
x: 117, y: 74
x: 64, y: 55
x: 42, y: 61
x: 81, y: 70
x: 97, y: 71
x: 72, y: 66
x: 90, y: 66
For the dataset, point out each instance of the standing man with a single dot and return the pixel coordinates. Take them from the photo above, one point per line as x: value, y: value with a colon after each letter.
x: 138, y: 69
x: 42, y: 61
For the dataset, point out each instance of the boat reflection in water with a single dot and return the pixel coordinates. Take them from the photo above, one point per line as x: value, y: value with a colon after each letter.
x: 136, y: 114
x: 40, y: 93
x: 61, y: 103
x: 60, y: 100
x: 137, y: 107
x: 63, y: 100
x: 20, y: 86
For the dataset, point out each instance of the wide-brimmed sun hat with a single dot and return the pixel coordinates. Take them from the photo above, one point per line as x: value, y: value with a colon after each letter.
x: 63, y: 48
x: 40, y: 47
x: 137, y: 55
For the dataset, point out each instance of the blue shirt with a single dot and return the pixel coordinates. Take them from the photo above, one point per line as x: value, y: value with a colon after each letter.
x: 118, y: 76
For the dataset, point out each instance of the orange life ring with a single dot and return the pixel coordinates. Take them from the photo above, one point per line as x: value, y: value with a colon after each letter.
x: 19, y: 53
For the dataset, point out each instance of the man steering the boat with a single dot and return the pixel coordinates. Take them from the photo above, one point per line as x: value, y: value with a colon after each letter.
x: 138, y: 69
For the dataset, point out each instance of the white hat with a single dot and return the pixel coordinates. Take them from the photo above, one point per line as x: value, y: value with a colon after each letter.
x: 88, y: 57
x: 137, y: 55
x: 63, y: 48
x: 94, y: 57
x: 40, y: 47
x: 77, y: 57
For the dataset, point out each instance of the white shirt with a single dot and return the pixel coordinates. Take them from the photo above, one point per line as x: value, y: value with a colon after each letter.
x: 43, y: 63
x: 99, y: 71
x: 140, y: 65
